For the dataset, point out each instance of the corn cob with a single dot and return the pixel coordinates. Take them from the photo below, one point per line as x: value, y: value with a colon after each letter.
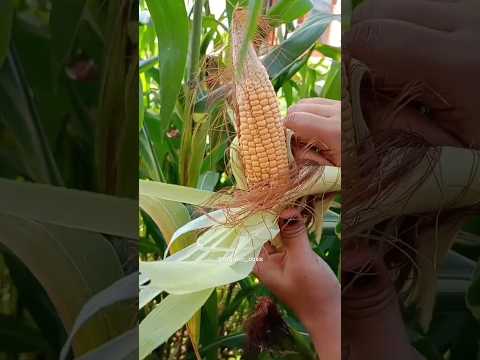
x: 262, y: 140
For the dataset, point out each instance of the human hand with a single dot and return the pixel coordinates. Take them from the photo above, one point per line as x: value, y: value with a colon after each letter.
x: 304, y: 282
x: 378, y: 115
x: 316, y: 122
x: 371, y: 317
x: 430, y: 42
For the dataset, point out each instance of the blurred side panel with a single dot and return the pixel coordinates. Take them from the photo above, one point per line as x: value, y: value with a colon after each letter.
x: 411, y: 179
x: 68, y: 179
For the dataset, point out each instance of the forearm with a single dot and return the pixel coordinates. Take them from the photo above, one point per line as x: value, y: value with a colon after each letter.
x: 325, y: 328
x: 327, y: 337
x: 379, y: 333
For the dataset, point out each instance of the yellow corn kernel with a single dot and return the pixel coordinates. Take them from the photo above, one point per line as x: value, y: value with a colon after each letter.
x: 262, y: 139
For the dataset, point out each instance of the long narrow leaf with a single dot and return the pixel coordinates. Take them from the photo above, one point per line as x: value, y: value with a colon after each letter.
x: 123, y: 289
x: 285, y: 11
x: 254, y: 12
x: 57, y: 256
x: 64, y: 24
x: 69, y: 208
x: 168, y: 216
x: 183, y: 194
x: 6, y: 18
x: 173, y: 42
x: 278, y: 60
x: 168, y: 317
x: 20, y: 109
x: 123, y: 347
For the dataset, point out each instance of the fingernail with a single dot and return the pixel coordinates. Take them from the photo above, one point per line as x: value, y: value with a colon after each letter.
x: 286, y: 223
x: 291, y: 221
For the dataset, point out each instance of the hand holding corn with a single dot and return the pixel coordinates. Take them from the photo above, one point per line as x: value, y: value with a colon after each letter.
x: 316, y: 122
x: 304, y: 282
x: 370, y: 305
x: 378, y: 36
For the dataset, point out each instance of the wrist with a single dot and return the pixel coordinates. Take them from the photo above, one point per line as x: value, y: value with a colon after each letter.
x: 321, y: 313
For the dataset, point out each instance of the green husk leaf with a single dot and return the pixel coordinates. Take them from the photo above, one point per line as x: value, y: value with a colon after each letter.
x: 172, y: 313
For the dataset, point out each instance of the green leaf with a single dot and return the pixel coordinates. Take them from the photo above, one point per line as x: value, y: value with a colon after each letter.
x: 160, y: 146
x: 473, y: 294
x: 330, y: 51
x: 156, y: 243
x: 148, y: 64
x: 171, y: 313
x: 209, y: 328
x: 124, y: 289
x: 199, y: 144
x: 65, y: 19
x: 285, y: 11
x: 18, y: 337
x: 7, y: 10
x: 141, y: 110
x: 168, y: 216
x: 245, y: 293
x: 69, y: 208
x: 173, y: 42
x: 20, y: 109
x: 287, y: 92
x: 195, y: 41
x: 208, y: 180
x: 280, y: 58
x: 123, y: 347
x: 205, y: 260
x: 333, y: 86
x: 66, y: 277
x: 230, y: 341
x: 292, y: 69
x: 215, y: 154
x: 254, y: 12
x: 148, y: 163
x: 178, y: 193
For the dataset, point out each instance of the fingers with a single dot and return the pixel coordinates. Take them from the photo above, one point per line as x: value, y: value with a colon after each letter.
x: 305, y: 155
x: 318, y: 101
x: 307, y: 127
x: 400, y: 52
x: 259, y: 268
x: 268, y: 267
x: 294, y: 232
x: 407, y: 119
x: 320, y: 109
x: 311, y: 128
x: 442, y: 16
x: 268, y: 249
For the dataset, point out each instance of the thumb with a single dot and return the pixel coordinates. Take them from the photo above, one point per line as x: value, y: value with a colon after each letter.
x: 293, y: 231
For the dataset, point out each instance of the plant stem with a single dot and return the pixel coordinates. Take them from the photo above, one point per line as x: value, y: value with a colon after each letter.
x: 207, y: 8
x: 196, y: 34
x: 158, y: 169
